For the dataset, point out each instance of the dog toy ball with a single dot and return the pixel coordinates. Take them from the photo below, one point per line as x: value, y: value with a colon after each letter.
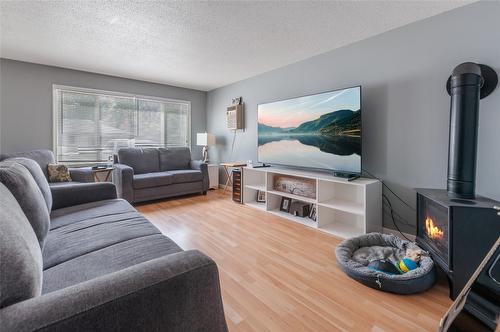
x: 406, y: 265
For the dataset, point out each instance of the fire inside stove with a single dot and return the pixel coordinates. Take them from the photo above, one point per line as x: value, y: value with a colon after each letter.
x: 432, y: 231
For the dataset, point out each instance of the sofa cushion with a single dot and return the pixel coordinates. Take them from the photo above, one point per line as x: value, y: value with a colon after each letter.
x: 107, y: 260
x: 186, y: 175
x: 36, y: 172
x: 82, y: 212
x: 150, y: 180
x: 174, y: 158
x: 20, y: 254
x: 141, y: 160
x: 42, y: 157
x: 24, y: 188
x: 76, y: 239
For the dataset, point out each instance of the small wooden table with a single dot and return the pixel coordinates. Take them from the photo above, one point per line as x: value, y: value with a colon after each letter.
x: 107, y: 174
x: 227, y: 166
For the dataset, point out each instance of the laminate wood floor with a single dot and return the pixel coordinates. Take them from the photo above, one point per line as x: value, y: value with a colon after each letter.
x: 277, y: 275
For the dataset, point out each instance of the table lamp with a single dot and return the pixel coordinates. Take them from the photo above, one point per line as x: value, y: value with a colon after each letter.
x: 205, y: 140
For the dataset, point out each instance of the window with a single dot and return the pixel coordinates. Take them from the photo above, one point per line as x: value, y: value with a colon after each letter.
x: 90, y: 125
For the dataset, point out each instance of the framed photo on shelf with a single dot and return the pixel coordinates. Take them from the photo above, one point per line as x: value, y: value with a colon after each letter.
x: 261, y: 196
x: 312, y: 214
x: 285, y: 204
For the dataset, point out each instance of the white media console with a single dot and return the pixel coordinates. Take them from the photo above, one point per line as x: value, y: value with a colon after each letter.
x: 343, y: 208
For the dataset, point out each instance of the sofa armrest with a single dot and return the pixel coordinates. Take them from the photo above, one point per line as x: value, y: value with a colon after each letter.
x: 123, y: 177
x: 81, y: 174
x: 178, y: 292
x: 203, y: 167
x: 80, y: 193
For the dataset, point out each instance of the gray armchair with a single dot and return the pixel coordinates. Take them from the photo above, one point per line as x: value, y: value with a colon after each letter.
x: 143, y: 174
x: 44, y: 157
x: 80, y: 190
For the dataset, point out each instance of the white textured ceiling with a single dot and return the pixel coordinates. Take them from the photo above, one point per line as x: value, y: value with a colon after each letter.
x: 201, y: 45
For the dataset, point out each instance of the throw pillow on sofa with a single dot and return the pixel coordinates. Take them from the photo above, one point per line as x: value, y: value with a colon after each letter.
x: 58, y: 173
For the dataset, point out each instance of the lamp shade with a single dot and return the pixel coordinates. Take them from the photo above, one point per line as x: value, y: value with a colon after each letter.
x: 205, y: 139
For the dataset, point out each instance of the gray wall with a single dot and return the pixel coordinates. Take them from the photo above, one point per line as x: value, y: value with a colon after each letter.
x: 405, y: 104
x: 26, y: 101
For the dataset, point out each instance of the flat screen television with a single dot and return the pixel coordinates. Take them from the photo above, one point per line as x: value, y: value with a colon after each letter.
x: 320, y: 131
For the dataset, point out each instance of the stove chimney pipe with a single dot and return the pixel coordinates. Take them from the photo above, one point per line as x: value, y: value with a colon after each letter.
x: 468, y: 83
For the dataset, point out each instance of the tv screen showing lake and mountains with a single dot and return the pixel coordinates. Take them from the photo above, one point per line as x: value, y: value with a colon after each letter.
x: 319, y: 131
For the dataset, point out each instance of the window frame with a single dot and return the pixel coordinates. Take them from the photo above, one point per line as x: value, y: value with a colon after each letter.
x: 57, y: 109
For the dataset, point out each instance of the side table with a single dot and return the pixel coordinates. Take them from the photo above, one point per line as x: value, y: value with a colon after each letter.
x: 106, y: 174
x: 227, y: 166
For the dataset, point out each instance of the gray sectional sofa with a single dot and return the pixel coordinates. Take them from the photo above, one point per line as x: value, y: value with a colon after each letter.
x: 143, y: 174
x: 94, y: 263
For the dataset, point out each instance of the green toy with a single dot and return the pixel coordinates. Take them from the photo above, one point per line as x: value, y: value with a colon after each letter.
x: 406, y: 265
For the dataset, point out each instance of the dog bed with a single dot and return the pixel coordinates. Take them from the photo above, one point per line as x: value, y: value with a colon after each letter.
x: 353, y: 256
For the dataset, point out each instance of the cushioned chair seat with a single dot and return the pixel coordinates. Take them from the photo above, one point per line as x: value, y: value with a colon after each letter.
x: 186, y: 175
x: 63, y: 184
x: 68, y: 242
x: 150, y: 180
x: 82, y: 212
x: 107, y: 260
x: 414, y: 281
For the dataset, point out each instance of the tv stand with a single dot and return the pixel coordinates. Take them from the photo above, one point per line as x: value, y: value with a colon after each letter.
x: 343, y: 208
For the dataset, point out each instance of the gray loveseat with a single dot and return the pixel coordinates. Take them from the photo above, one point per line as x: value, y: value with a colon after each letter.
x: 94, y: 264
x: 143, y: 174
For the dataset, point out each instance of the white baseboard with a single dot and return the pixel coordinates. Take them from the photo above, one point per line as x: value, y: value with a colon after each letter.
x: 395, y: 232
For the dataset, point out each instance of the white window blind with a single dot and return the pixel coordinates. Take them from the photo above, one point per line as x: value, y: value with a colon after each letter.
x: 89, y: 125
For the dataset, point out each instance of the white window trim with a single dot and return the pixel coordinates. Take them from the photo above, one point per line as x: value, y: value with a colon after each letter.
x: 66, y: 88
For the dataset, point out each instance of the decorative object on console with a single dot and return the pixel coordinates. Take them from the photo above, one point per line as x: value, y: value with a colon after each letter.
x: 468, y: 83
x: 205, y: 140
x: 299, y: 209
x: 261, y: 196
x: 312, y: 213
x: 295, y: 185
x: 285, y: 204
x: 58, y: 173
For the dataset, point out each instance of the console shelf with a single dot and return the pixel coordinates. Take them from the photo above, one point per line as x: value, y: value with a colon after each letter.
x: 343, y: 208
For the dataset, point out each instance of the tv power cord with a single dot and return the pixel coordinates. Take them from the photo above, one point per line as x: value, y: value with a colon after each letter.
x: 384, y: 196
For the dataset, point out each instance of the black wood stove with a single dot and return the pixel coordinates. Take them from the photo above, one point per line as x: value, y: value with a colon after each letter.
x: 457, y: 233
x: 454, y: 225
